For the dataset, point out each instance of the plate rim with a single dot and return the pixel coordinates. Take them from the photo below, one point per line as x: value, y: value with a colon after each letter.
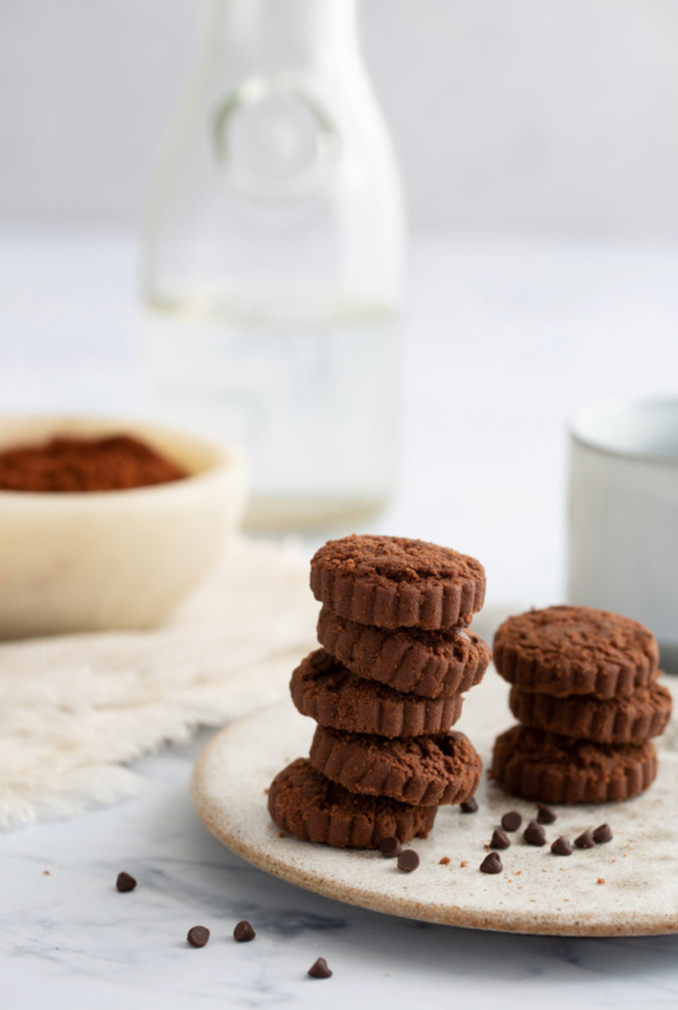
x: 535, y: 923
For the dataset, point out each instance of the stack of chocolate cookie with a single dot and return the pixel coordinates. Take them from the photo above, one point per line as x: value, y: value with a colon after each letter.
x: 385, y: 689
x: 586, y: 692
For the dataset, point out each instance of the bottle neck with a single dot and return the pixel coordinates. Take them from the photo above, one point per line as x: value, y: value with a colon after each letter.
x: 287, y: 30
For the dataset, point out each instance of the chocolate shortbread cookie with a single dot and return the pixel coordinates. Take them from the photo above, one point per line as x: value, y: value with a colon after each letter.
x: 630, y: 719
x: 575, y: 650
x: 329, y: 693
x: 393, y: 582
x: 309, y: 806
x: 423, y: 770
x: 428, y: 663
x: 543, y: 766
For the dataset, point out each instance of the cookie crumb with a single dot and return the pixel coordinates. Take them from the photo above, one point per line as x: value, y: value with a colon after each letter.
x: 601, y: 880
x: 445, y: 861
x: 463, y: 864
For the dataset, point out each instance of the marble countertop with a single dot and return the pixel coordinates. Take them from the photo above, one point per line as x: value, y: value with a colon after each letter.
x: 528, y: 331
x: 70, y: 938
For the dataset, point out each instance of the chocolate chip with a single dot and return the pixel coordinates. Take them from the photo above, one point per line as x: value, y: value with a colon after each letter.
x: 125, y: 882
x: 491, y: 863
x: 562, y: 847
x: 243, y: 932
x: 545, y: 815
x: 585, y: 840
x: 198, y: 936
x: 534, y: 834
x: 470, y: 806
x: 511, y: 821
x: 390, y: 847
x: 319, y: 969
x: 500, y: 840
x: 603, y: 834
x: 408, y: 860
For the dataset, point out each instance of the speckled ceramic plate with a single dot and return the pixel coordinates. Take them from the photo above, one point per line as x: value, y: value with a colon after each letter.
x: 626, y: 887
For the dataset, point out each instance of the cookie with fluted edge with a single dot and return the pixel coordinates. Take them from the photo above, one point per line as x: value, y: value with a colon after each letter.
x: 422, y: 770
x: 324, y: 689
x: 550, y: 768
x: 428, y: 663
x: 629, y: 719
x: 575, y: 650
x: 310, y: 807
x: 394, y: 582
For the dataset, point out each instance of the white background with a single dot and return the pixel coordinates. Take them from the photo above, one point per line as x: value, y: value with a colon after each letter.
x: 539, y: 145
x: 518, y: 114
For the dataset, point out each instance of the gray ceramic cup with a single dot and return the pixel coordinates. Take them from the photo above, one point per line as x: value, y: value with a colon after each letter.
x: 623, y: 514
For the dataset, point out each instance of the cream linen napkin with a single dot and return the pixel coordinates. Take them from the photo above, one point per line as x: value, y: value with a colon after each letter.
x: 74, y: 710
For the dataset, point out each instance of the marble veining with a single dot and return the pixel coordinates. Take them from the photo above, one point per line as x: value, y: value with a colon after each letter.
x: 70, y: 937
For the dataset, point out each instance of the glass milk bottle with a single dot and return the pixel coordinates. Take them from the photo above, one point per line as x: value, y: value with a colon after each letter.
x: 273, y: 261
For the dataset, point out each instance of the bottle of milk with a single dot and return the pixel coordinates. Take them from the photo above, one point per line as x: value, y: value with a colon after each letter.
x: 273, y: 262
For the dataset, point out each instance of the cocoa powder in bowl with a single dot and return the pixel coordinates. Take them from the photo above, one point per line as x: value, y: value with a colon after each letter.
x: 68, y: 464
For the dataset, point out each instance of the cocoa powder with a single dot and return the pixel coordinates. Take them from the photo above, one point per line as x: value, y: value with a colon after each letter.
x: 70, y: 464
